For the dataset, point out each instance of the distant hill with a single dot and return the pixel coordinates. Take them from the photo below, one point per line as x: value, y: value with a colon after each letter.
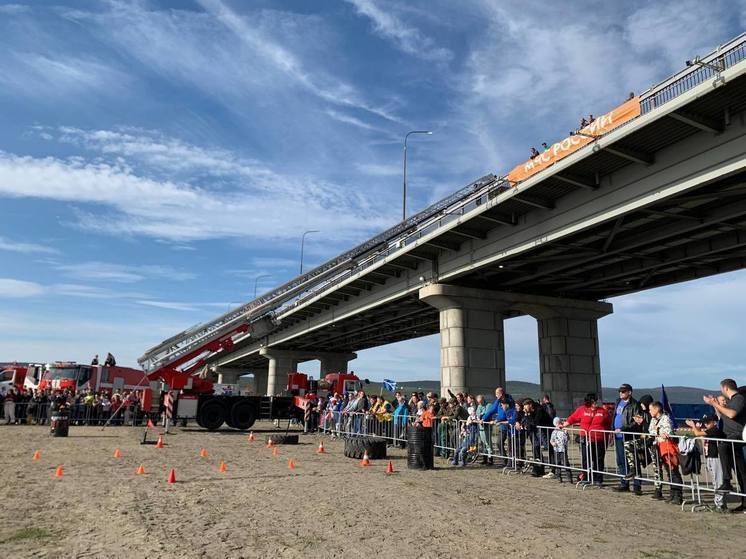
x: 521, y: 389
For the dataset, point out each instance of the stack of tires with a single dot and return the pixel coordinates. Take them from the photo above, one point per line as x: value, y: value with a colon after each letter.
x: 420, y: 448
x: 356, y: 447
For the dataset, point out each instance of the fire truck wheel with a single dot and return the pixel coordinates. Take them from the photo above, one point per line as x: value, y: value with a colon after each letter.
x: 283, y: 439
x: 356, y: 447
x: 212, y: 416
x: 243, y: 415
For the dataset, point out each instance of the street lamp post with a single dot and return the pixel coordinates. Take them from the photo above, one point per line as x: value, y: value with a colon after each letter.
x: 256, y: 280
x: 302, y: 245
x: 404, y: 192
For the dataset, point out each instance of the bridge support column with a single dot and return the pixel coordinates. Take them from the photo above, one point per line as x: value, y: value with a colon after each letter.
x: 281, y: 362
x: 229, y: 376
x: 335, y: 362
x: 472, y: 348
x: 260, y: 381
x: 569, y: 354
x: 472, y: 353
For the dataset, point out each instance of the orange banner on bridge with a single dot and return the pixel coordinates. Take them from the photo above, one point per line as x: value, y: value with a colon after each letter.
x: 602, y: 125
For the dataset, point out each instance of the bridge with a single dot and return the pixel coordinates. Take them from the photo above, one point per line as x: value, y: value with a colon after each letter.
x: 651, y: 199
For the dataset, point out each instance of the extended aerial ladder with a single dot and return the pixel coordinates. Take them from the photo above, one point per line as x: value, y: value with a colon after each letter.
x: 177, y: 359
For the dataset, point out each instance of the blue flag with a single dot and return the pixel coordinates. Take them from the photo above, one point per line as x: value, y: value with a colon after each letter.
x: 389, y: 385
x: 667, y: 405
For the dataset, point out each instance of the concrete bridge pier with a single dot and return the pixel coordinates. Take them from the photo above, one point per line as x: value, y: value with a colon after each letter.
x: 335, y: 362
x: 260, y: 381
x: 569, y: 353
x: 472, y: 348
x: 472, y: 351
x: 281, y: 362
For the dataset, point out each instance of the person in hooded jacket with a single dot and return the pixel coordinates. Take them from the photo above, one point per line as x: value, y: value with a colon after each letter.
x: 593, y: 420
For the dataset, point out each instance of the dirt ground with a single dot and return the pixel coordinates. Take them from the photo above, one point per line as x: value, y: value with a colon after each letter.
x: 328, y: 506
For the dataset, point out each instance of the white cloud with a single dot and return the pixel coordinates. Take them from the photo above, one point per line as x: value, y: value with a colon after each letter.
x: 168, y: 305
x: 260, y: 206
x: 408, y: 39
x: 25, y: 248
x: 17, y: 289
x: 379, y: 169
x: 49, y: 76
x: 13, y: 9
x: 120, y: 273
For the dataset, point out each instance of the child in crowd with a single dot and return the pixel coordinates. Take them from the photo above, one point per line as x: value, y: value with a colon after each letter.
x: 709, y: 429
x: 559, y: 441
x: 469, y: 435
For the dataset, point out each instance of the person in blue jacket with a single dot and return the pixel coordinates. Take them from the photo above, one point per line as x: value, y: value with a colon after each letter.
x: 401, y: 417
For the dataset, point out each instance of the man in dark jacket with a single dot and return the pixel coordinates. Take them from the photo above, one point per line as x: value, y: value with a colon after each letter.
x: 536, y: 422
x: 626, y: 408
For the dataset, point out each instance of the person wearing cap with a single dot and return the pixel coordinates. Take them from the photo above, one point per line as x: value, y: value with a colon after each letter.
x: 708, y: 428
x: 626, y: 408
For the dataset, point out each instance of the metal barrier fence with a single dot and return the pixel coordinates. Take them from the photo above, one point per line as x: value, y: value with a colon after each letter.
x: 39, y: 413
x: 587, y: 459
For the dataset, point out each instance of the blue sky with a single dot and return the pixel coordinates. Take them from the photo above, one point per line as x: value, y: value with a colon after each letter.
x: 156, y: 157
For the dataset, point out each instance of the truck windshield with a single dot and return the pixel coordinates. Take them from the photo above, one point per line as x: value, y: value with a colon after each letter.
x: 55, y: 373
x: 352, y: 386
x: 7, y: 374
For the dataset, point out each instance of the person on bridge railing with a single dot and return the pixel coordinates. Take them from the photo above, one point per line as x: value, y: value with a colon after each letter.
x: 661, y: 427
x: 593, y: 419
x: 733, y: 417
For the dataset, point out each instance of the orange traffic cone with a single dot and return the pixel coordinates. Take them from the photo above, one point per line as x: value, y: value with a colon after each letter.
x: 291, y: 464
x: 275, y: 451
x: 150, y: 424
x: 269, y: 443
x: 321, y: 448
x: 117, y: 453
x: 59, y: 471
x: 37, y: 455
x: 389, y: 468
x: 140, y: 470
x: 159, y: 444
x: 223, y: 468
x: 172, y: 476
x: 202, y: 453
x: 366, y: 460
x: 251, y: 437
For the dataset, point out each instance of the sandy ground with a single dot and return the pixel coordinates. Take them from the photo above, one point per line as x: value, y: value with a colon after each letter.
x: 328, y: 506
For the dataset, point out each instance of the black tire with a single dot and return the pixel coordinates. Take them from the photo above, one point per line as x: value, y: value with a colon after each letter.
x: 283, y: 439
x: 356, y: 447
x: 211, y: 416
x: 243, y: 415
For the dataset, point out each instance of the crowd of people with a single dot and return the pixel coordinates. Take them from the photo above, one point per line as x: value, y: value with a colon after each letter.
x: 641, y: 432
x: 32, y: 406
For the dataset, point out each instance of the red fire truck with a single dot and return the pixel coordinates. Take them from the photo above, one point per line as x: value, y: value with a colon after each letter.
x: 20, y: 376
x: 69, y: 375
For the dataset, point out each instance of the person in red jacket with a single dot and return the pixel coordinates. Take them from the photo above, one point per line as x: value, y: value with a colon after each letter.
x: 592, y: 418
